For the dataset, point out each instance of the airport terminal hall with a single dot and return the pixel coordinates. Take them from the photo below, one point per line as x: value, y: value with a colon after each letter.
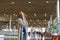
x: 29, y: 19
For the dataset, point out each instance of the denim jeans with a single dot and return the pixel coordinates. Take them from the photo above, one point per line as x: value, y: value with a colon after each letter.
x: 23, y: 33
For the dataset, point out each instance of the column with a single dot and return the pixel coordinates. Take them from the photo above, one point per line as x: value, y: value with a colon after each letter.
x: 10, y: 22
x: 58, y: 16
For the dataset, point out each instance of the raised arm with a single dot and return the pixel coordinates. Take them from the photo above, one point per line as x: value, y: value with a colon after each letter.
x: 23, y: 16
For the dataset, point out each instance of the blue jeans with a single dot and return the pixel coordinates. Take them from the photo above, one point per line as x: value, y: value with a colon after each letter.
x: 23, y: 33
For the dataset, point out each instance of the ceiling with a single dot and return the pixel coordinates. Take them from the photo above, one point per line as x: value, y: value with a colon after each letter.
x: 36, y: 10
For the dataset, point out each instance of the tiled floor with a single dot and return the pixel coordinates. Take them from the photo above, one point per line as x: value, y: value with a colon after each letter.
x: 17, y: 39
x: 10, y: 39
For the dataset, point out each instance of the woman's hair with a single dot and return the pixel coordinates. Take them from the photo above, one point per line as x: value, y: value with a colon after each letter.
x: 20, y: 17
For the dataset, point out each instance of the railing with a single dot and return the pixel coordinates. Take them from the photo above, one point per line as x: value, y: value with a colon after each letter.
x: 13, y: 35
x: 8, y: 32
x: 9, y: 35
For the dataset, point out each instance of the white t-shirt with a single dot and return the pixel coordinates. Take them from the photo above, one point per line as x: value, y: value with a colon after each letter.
x: 23, y: 23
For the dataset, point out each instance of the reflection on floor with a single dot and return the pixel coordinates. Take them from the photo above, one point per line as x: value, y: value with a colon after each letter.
x: 10, y: 39
x: 17, y: 39
x: 14, y: 36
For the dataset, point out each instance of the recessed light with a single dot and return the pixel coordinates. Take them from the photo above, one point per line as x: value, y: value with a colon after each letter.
x: 29, y: 2
x: 14, y: 14
x: 45, y: 20
x: 34, y: 23
x: 16, y: 20
x: 39, y: 23
x: 38, y: 20
x: 12, y: 2
x: 7, y: 15
x: 30, y: 20
x: 35, y: 14
x: 45, y: 14
x: 4, y: 14
x: 47, y: 1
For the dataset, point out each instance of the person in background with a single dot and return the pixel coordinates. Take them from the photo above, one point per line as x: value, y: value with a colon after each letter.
x: 23, y: 26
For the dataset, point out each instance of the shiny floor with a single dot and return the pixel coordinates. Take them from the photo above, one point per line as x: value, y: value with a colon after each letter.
x: 10, y: 39
x: 17, y: 39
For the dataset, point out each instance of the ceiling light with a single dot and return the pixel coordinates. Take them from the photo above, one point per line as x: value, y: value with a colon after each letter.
x: 4, y: 14
x: 30, y: 20
x: 34, y: 23
x: 16, y: 20
x: 29, y: 2
x: 37, y: 20
x: 14, y: 14
x: 45, y: 20
x: 35, y: 14
x: 12, y: 2
x: 47, y: 1
x: 45, y: 14
x: 7, y: 15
